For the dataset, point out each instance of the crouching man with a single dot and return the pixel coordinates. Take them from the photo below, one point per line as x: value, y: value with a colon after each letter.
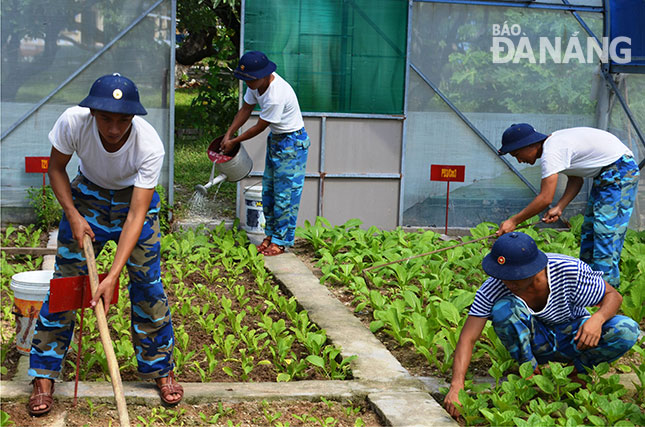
x: 537, y: 303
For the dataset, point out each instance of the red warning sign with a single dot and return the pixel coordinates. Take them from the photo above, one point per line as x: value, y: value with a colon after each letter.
x: 453, y: 173
x: 36, y: 164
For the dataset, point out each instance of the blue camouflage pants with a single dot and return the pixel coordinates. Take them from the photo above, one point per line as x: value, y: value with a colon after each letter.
x: 606, y: 218
x: 152, y: 331
x: 284, y: 177
x: 527, y: 339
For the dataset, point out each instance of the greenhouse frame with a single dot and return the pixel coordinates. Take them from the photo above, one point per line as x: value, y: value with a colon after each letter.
x: 389, y: 88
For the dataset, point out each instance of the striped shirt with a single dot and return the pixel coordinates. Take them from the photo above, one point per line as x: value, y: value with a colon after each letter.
x: 573, y: 285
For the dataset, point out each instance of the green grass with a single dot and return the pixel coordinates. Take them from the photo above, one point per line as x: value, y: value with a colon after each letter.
x: 184, y: 115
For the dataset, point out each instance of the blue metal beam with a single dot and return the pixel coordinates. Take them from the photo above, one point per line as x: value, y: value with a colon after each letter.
x: 628, y: 111
x: 582, y: 23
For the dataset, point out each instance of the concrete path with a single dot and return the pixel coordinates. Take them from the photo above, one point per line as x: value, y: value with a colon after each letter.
x: 398, y: 398
x: 406, y: 401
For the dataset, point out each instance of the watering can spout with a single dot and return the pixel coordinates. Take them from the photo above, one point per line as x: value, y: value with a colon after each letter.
x: 202, y: 189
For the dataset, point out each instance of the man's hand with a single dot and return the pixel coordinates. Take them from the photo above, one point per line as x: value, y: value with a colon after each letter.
x: 506, y: 227
x: 552, y: 215
x: 227, y: 145
x: 451, y: 398
x: 105, y: 291
x: 589, y: 333
x: 80, y: 227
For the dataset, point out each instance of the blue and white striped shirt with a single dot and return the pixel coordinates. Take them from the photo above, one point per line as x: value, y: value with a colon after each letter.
x: 572, y: 283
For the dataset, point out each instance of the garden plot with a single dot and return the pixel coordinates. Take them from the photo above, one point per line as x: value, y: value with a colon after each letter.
x: 418, y: 307
x: 344, y: 251
x: 232, y: 323
x: 89, y: 413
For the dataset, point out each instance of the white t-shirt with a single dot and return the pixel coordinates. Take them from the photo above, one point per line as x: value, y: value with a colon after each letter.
x: 278, y: 106
x: 580, y: 152
x: 138, y: 162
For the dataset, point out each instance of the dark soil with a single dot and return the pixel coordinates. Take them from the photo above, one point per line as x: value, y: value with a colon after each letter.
x: 252, y: 413
x: 265, y: 372
x: 415, y: 363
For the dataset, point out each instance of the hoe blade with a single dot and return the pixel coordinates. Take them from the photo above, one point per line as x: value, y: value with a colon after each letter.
x: 71, y: 293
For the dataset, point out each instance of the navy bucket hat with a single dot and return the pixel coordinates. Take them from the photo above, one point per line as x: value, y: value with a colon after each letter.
x: 115, y: 94
x: 254, y: 65
x: 519, y: 136
x: 514, y: 256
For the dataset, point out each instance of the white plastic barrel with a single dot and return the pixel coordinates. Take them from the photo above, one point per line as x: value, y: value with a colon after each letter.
x: 254, y: 215
x: 29, y: 291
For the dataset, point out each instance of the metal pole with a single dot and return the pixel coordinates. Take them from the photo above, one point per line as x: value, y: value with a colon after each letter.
x: 404, y: 132
x: 447, y: 204
x: 171, y: 109
x: 531, y: 4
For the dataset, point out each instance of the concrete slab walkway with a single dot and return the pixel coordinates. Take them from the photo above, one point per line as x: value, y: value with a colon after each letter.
x: 406, y: 401
x: 398, y: 398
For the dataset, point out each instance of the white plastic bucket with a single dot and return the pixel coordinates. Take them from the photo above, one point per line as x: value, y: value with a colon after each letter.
x: 255, y: 221
x: 29, y: 291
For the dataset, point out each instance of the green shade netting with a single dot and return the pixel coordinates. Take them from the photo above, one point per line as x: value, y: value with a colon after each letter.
x: 339, y: 56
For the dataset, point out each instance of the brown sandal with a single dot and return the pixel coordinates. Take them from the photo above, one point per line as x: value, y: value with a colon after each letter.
x: 40, y: 397
x: 171, y: 387
x: 265, y: 244
x: 273, y: 250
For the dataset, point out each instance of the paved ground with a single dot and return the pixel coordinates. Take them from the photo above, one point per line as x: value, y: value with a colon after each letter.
x: 398, y: 398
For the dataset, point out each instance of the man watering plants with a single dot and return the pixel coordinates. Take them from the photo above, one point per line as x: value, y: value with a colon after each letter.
x: 537, y: 304
x: 287, y: 146
x: 113, y: 197
x: 579, y: 153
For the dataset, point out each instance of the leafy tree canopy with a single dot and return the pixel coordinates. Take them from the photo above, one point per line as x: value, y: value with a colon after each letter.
x: 208, y: 26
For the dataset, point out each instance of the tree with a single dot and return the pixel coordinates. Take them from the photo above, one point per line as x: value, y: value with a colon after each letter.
x: 454, y: 51
x: 208, y: 26
x: 49, y: 22
x: 35, y: 34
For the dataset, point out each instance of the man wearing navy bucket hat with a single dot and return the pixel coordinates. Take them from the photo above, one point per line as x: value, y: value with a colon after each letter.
x: 537, y: 303
x: 113, y: 197
x: 580, y: 153
x: 287, y: 146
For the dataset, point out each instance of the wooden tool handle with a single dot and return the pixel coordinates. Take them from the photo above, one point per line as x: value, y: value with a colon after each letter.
x: 113, y: 365
x: 429, y: 253
x: 441, y: 249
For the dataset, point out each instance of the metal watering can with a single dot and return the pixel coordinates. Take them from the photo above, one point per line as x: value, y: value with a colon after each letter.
x: 232, y: 166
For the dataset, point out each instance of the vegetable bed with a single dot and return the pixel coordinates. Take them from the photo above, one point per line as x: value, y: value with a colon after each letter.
x: 232, y: 322
x: 418, y: 307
